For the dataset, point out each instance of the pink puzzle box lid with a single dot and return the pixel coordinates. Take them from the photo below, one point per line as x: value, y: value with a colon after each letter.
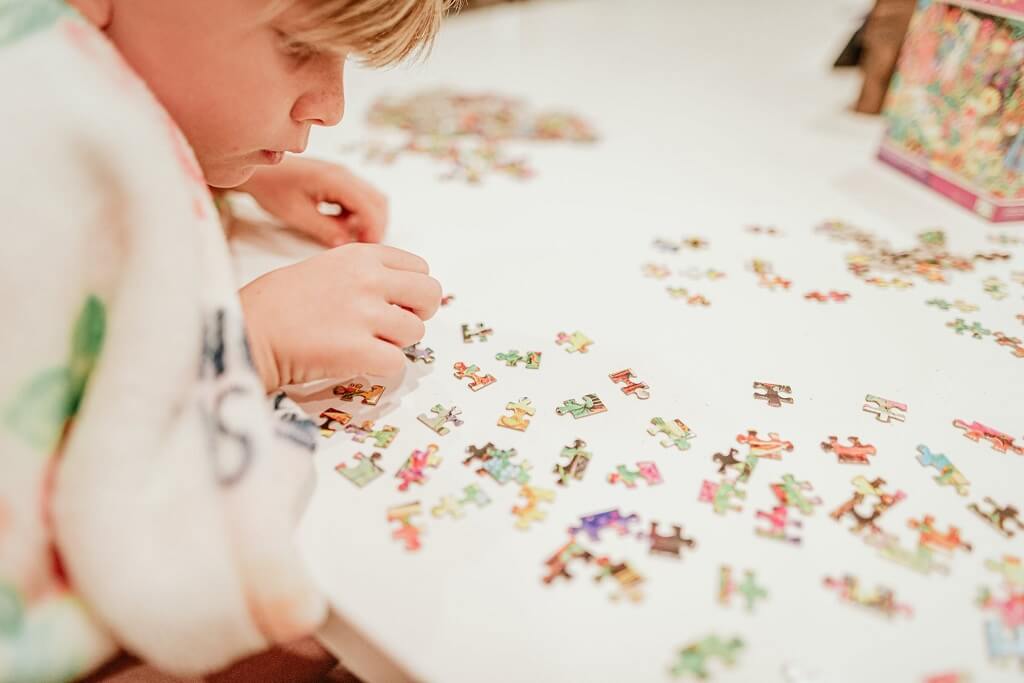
x: 950, y: 185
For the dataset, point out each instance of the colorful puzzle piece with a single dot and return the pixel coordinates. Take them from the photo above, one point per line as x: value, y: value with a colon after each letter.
x: 884, y: 409
x: 628, y: 579
x: 832, y: 295
x: 930, y: 537
x: 975, y: 328
x: 481, y: 333
x: 646, y: 470
x: 558, y: 563
x: 920, y: 558
x: 1013, y: 343
x: 1000, y: 442
x: 721, y: 495
x: 332, y: 419
x: 478, y: 381
x: 995, y: 288
x: 530, y: 512
x: 531, y: 361
x: 793, y: 493
x: 638, y: 389
x: 959, y: 305
x: 658, y: 271
x: 577, y: 342
x: 770, y: 448
x: 413, y: 471
x: 745, y: 468
x: 609, y: 519
x: 949, y: 475
x: 498, y: 464
x: 1004, y: 643
x: 778, y: 525
x: 693, y: 659
x: 576, y: 465
x: 364, y: 472
x: 382, y: 437
x: 881, y: 499
x: 676, y: 432
x: 520, y: 410
x: 589, y: 405
x: 448, y: 505
x: 407, y: 532
x: 773, y: 393
x: 855, y: 454
x: 881, y: 600
x: 414, y: 353
x: 442, y: 416
x: 748, y: 588
x: 671, y: 546
x: 349, y: 392
x: 999, y: 516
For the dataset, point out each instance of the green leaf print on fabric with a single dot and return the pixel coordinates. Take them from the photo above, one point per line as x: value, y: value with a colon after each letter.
x: 21, y: 18
x: 40, y: 410
x: 11, y: 610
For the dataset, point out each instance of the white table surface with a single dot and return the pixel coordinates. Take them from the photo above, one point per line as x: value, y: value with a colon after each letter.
x: 712, y: 116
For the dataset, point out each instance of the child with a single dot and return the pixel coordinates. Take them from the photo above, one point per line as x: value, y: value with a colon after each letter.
x: 149, y: 487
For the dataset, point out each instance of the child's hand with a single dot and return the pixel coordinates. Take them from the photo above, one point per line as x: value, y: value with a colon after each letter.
x: 292, y: 191
x: 346, y: 312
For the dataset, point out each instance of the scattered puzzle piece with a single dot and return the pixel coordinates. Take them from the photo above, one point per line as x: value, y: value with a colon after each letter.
x: 882, y: 501
x: 976, y: 330
x: 531, y: 361
x: 959, y: 305
x: 671, y: 546
x: 382, y: 437
x: 332, y: 419
x: 773, y: 393
x: 770, y: 448
x: 349, y: 392
x: 646, y: 470
x: 414, y: 353
x: 448, y: 505
x: 577, y: 464
x: 629, y: 580
x: 748, y: 588
x: 474, y: 495
x: 462, y: 371
x: 930, y: 537
x: 577, y: 341
x: 520, y: 410
x: 362, y: 474
x: 721, y: 495
x: 881, y: 600
x: 407, y: 532
x: 949, y: 475
x: 413, y: 471
x: 676, y: 432
x: 498, y: 464
x: 692, y: 660
x: 1004, y: 643
x: 995, y: 288
x: 442, y: 416
x: 481, y: 333
x: 638, y: 389
x: 778, y: 525
x: 558, y: 563
x: 609, y: 519
x: 1014, y: 343
x: 447, y: 299
x: 530, y: 512
x: 832, y: 295
x: 999, y: 516
x: 884, y: 409
x: 793, y: 493
x: 855, y: 454
x: 763, y: 230
x: 657, y: 271
x: 589, y: 405
x: 920, y: 558
x: 745, y: 468
x: 1000, y: 442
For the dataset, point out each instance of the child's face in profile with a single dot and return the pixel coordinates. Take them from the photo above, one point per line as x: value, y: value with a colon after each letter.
x: 230, y: 78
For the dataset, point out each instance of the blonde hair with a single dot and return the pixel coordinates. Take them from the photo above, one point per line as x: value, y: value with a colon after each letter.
x: 380, y: 32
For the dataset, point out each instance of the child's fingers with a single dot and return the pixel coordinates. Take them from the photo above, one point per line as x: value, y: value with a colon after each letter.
x: 399, y: 326
x: 416, y: 292
x: 399, y: 259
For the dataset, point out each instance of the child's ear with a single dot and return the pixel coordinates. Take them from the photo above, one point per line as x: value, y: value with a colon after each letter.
x: 97, y: 12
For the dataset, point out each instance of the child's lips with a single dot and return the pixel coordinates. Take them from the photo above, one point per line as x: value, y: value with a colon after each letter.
x: 272, y: 157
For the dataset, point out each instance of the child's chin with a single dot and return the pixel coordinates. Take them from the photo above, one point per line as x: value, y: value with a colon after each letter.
x: 227, y: 177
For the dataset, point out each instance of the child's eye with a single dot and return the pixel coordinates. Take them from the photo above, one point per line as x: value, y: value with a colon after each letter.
x: 296, y: 49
